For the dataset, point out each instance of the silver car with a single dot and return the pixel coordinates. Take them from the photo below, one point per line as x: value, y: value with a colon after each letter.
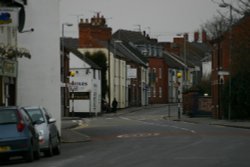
x: 49, y: 138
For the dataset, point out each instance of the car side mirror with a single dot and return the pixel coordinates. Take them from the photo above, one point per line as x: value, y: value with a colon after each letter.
x: 52, y: 120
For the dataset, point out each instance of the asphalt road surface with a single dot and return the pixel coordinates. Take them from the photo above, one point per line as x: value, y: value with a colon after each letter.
x: 145, y: 139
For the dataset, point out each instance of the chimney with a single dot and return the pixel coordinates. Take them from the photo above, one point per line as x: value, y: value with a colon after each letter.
x: 196, y: 36
x: 204, y: 36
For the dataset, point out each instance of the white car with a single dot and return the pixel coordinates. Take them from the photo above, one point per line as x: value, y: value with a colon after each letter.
x: 49, y: 138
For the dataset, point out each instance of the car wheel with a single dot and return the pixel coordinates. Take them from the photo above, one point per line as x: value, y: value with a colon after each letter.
x: 49, y: 151
x: 29, y: 156
x: 4, y: 158
x: 37, y: 154
x: 57, y: 149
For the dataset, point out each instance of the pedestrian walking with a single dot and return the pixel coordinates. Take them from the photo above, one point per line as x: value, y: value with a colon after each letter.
x: 114, y: 105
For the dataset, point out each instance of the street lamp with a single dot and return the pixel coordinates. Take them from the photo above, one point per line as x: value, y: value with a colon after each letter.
x: 65, y: 24
x: 62, y: 41
x: 64, y: 91
x: 226, y: 5
x: 185, y: 38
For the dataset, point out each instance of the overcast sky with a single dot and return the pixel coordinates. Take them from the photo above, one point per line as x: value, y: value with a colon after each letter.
x: 162, y: 19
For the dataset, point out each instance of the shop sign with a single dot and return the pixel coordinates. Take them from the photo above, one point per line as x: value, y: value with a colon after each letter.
x: 9, y: 16
x: 131, y: 73
x: 8, y: 68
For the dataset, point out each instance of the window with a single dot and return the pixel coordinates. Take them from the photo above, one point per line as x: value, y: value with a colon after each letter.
x: 154, y: 91
x: 160, y: 73
x: 94, y: 74
x: 160, y: 92
x: 99, y: 74
x: 149, y: 92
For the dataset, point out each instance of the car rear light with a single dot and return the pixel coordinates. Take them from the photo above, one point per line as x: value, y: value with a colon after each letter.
x: 20, y: 124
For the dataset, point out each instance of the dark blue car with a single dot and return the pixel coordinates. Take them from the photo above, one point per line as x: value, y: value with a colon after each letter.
x: 18, y: 136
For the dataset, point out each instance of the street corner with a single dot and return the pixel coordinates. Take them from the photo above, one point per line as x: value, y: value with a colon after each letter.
x: 80, y: 124
x: 72, y: 136
x: 74, y: 123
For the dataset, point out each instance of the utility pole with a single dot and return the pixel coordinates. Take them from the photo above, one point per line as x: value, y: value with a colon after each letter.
x: 226, y: 5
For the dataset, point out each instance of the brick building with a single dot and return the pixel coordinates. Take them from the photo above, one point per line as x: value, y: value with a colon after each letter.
x: 92, y: 31
x: 223, y: 63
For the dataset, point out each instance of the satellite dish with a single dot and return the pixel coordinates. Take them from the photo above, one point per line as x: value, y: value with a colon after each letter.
x: 21, y: 16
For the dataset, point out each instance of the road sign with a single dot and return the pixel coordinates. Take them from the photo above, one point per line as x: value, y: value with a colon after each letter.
x: 223, y: 73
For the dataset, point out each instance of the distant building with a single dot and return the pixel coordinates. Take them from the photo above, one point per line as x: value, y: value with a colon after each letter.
x: 84, y: 86
x: 95, y: 35
x: 157, y: 69
x: 194, y: 54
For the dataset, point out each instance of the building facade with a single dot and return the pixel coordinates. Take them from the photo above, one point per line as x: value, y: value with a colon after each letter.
x: 225, y: 62
x: 39, y: 78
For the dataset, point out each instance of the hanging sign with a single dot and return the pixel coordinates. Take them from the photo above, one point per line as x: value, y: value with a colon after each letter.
x: 9, y: 17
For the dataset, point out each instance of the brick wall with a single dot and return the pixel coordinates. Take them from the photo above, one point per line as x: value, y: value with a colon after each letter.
x: 93, y: 31
x: 161, y: 81
x: 195, y: 105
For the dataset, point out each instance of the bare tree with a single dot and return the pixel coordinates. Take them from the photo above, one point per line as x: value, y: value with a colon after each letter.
x: 221, y: 22
x: 215, y: 27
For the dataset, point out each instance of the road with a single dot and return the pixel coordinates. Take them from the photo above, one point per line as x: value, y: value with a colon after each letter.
x: 145, y: 139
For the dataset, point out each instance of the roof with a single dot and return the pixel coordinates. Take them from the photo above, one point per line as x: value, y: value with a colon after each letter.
x: 135, y: 37
x: 71, y: 45
x: 125, y: 51
x: 195, y: 52
x: 70, y: 42
x: 172, y: 62
x: 84, y: 58
x: 132, y: 53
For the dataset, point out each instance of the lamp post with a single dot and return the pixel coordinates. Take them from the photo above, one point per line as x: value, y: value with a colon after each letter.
x: 63, y: 25
x: 226, y: 5
x: 64, y: 91
x: 185, y: 40
x: 178, y: 76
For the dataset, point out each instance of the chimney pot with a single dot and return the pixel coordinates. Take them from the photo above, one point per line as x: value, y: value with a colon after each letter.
x: 196, y: 36
x: 204, y: 36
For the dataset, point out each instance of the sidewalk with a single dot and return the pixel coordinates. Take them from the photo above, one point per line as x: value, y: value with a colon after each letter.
x: 211, y: 121
x: 69, y: 124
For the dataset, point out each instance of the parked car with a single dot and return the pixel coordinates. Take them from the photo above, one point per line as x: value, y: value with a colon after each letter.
x: 18, y: 136
x: 49, y: 138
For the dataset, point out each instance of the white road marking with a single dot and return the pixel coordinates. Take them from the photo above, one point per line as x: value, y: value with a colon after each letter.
x: 138, y: 135
x: 162, y: 125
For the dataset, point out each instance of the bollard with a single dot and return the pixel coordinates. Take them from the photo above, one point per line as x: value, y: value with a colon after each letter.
x: 168, y: 110
x: 179, y: 111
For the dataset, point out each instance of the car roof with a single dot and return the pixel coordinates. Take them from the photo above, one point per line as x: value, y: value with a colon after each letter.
x: 8, y: 107
x: 32, y: 107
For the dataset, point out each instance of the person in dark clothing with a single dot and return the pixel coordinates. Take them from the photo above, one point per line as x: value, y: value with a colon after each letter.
x: 114, y: 105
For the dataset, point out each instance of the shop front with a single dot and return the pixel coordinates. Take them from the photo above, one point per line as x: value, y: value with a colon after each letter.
x: 8, y: 75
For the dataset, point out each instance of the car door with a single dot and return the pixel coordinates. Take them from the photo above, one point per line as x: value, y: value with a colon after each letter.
x: 30, y: 125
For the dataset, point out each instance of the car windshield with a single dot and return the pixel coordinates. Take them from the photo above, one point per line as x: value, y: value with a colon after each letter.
x: 36, y: 115
x: 8, y: 116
